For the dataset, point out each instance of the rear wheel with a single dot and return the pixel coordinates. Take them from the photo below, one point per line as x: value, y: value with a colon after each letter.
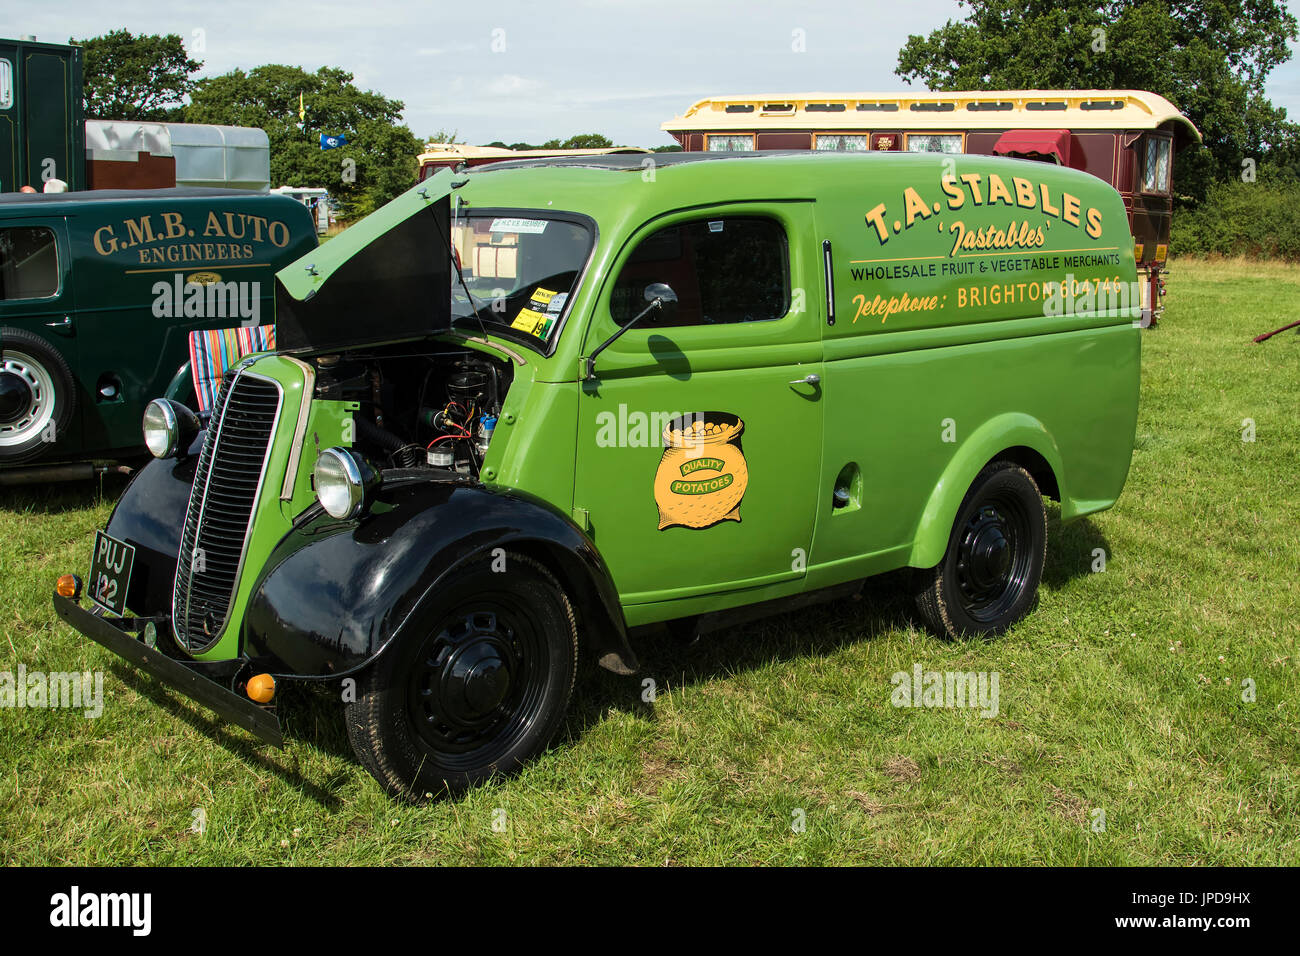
x: 477, y: 691
x: 988, y: 578
x: 37, y: 396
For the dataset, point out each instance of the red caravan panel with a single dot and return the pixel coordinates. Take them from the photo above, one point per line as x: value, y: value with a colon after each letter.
x: 784, y: 140
x: 1041, y: 142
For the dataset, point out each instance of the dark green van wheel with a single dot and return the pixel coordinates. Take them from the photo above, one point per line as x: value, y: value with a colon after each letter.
x: 477, y: 691
x: 37, y: 396
x: 988, y: 578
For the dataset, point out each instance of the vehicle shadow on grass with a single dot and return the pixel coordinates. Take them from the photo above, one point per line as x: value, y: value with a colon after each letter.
x: 1071, y: 549
x: 312, y: 717
x: 60, y: 497
x: 884, y: 604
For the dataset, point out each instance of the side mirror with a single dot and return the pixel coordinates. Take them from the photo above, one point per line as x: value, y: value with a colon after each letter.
x: 666, y: 296
x: 660, y: 290
x: 661, y: 297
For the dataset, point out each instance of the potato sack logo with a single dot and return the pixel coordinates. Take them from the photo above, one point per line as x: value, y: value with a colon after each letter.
x: 702, y: 475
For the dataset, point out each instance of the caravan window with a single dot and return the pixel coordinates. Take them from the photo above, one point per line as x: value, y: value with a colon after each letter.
x: 719, y: 143
x: 934, y: 142
x: 6, y: 84
x: 1155, y: 165
x: 836, y: 142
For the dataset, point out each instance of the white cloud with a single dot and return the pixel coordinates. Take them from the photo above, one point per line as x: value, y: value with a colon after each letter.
x: 619, y: 67
x: 510, y: 84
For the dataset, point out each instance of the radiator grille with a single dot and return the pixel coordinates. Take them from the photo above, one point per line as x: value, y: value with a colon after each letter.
x: 226, y: 482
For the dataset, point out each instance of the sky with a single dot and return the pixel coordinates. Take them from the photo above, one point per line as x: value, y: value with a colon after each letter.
x: 531, y: 71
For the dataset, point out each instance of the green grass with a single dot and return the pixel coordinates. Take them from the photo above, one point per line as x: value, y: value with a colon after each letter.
x: 1121, y: 693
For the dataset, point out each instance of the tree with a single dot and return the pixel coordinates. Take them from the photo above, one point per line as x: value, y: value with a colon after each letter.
x: 378, y: 160
x: 142, y: 78
x: 443, y: 137
x: 1209, y: 57
x: 587, y: 141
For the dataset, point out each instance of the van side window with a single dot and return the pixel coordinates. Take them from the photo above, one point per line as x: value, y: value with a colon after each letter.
x: 29, y: 263
x: 723, y: 269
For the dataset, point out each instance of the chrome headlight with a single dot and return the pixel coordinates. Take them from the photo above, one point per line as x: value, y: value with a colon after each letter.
x: 169, y: 427
x: 343, y: 483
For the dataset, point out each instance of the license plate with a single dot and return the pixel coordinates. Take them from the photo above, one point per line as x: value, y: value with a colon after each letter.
x: 110, y: 572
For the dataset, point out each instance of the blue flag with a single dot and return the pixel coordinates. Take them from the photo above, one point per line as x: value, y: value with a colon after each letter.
x: 332, y: 142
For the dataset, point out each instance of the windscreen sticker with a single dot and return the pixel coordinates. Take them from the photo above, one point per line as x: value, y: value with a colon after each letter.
x: 532, y: 227
x: 537, y: 316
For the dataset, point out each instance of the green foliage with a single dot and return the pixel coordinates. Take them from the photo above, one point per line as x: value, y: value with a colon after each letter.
x: 444, y: 137
x: 378, y: 161
x: 1208, y: 57
x: 587, y: 141
x: 580, y: 141
x: 1256, y: 220
x: 142, y: 78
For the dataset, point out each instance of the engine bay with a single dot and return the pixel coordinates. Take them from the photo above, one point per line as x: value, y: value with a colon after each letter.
x: 435, y: 410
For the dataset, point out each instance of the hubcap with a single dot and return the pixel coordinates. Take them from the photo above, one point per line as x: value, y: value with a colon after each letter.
x: 26, y: 398
x: 473, y: 675
x: 993, y: 559
x: 476, y: 684
x: 15, y: 397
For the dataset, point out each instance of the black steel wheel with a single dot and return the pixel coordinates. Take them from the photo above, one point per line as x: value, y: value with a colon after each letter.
x: 478, y: 689
x: 988, y: 578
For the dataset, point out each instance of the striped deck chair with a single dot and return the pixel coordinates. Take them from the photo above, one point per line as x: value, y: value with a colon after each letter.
x: 213, y: 351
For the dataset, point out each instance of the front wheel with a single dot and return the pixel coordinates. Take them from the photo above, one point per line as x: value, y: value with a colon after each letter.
x: 988, y: 578
x: 478, y: 690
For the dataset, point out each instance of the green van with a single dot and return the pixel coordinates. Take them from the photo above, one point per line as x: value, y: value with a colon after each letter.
x: 99, y: 292
x: 523, y: 412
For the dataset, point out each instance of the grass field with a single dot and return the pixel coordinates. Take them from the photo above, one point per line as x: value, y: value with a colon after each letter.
x: 1122, y: 694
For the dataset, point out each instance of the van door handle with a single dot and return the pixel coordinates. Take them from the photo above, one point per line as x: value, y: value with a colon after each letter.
x: 810, y: 379
x: 63, y: 325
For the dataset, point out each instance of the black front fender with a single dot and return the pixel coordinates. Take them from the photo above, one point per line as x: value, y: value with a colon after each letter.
x: 334, y: 594
x: 150, y: 516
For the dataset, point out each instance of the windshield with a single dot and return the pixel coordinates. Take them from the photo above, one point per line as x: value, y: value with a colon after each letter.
x: 520, y: 270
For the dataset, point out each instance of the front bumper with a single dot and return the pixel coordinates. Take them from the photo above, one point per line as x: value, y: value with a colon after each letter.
x: 188, y: 678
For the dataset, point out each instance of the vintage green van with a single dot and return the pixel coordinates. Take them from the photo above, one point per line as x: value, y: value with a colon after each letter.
x: 523, y: 411
x: 99, y: 291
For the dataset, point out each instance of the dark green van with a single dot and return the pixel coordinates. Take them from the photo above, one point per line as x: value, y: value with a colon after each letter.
x: 99, y: 292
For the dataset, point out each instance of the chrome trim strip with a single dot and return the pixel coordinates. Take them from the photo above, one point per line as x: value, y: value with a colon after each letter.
x: 257, y: 498
x: 177, y: 623
x: 300, y: 430
x: 830, y: 281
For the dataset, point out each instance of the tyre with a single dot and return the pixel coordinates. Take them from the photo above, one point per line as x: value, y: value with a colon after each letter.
x: 37, y: 396
x: 476, y: 691
x: 988, y: 578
